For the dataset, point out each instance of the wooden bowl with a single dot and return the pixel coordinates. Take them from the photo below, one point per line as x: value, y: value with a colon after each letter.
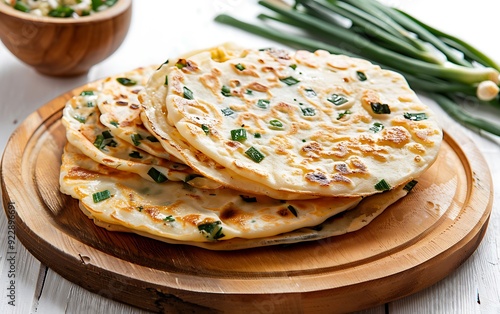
x: 64, y: 46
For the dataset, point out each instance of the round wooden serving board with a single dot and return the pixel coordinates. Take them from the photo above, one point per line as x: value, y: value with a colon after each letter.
x: 413, y: 244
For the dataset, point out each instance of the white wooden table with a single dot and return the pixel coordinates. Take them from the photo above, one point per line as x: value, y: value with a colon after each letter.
x: 162, y: 29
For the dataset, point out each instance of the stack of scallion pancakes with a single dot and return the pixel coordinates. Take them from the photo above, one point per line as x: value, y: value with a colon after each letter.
x: 230, y: 148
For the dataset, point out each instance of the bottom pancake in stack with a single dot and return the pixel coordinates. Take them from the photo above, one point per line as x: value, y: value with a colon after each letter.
x: 216, y: 219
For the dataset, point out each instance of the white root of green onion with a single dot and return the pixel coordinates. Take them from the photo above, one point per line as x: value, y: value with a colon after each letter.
x: 487, y: 90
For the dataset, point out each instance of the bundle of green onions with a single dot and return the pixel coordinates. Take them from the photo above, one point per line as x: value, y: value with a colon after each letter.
x: 437, y: 64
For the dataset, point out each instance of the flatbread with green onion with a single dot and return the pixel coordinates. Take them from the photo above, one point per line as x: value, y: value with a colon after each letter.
x: 155, y: 120
x: 81, y: 117
x: 176, y: 211
x: 345, y: 222
x: 314, y: 124
x: 120, y: 110
x: 149, y: 170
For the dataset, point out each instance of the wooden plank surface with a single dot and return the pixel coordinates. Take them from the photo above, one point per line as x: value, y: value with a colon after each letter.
x: 478, y: 276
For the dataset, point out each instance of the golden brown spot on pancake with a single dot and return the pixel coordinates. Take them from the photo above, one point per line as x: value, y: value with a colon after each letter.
x: 175, y: 82
x: 322, y: 53
x: 337, y: 63
x: 216, y: 72
x: 366, y: 139
x: 368, y: 98
x: 284, y: 107
x: 421, y: 130
x: 304, y: 125
x: 234, y: 83
x: 284, y: 212
x: 204, y: 159
x: 340, y: 150
x: 374, y: 151
x: 424, y: 135
x: 267, y: 218
x: 194, y: 218
x: 195, y: 130
x: 343, y: 147
x: 187, y: 65
x: 318, y: 177
x: 233, y: 144
x: 281, y: 144
x: 312, y: 150
x: 102, y: 169
x: 280, y: 150
x: 353, y: 167
x: 360, y: 117
x: 249, y: 70
x: 358, y: 164
x: 211, y: 81
x: 191, y: 66
x: 405, y: 98
x: 194, y: 105
x: 340, y: 178
x: 248, y: 118
x: 205, y: 221
x: 267, y: 69
x: 279, y: 54
x: 342, y: 168
x: 153, y: 212
x: 80, y: 194
x: 331, y: 132
x: 80, y: 173
x: 258, y: 87
x: 417, y: 107
x: 294, y: 129
x: 395, y: 136
x: 416, y: 148
x: 230, y: 213
x: 418, y: 158
x: 273, y: 79
x: 306, y: 58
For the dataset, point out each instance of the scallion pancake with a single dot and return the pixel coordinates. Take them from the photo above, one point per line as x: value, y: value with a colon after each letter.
x: 176, y: 211
x: 81, y: 117
x: 120, y: 109
x: 233, y: 148
x: 345, y: 222
x: 314, y: 124
x: 155, y: 120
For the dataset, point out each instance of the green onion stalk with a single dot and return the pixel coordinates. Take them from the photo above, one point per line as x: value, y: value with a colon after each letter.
x: 437, y: 64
